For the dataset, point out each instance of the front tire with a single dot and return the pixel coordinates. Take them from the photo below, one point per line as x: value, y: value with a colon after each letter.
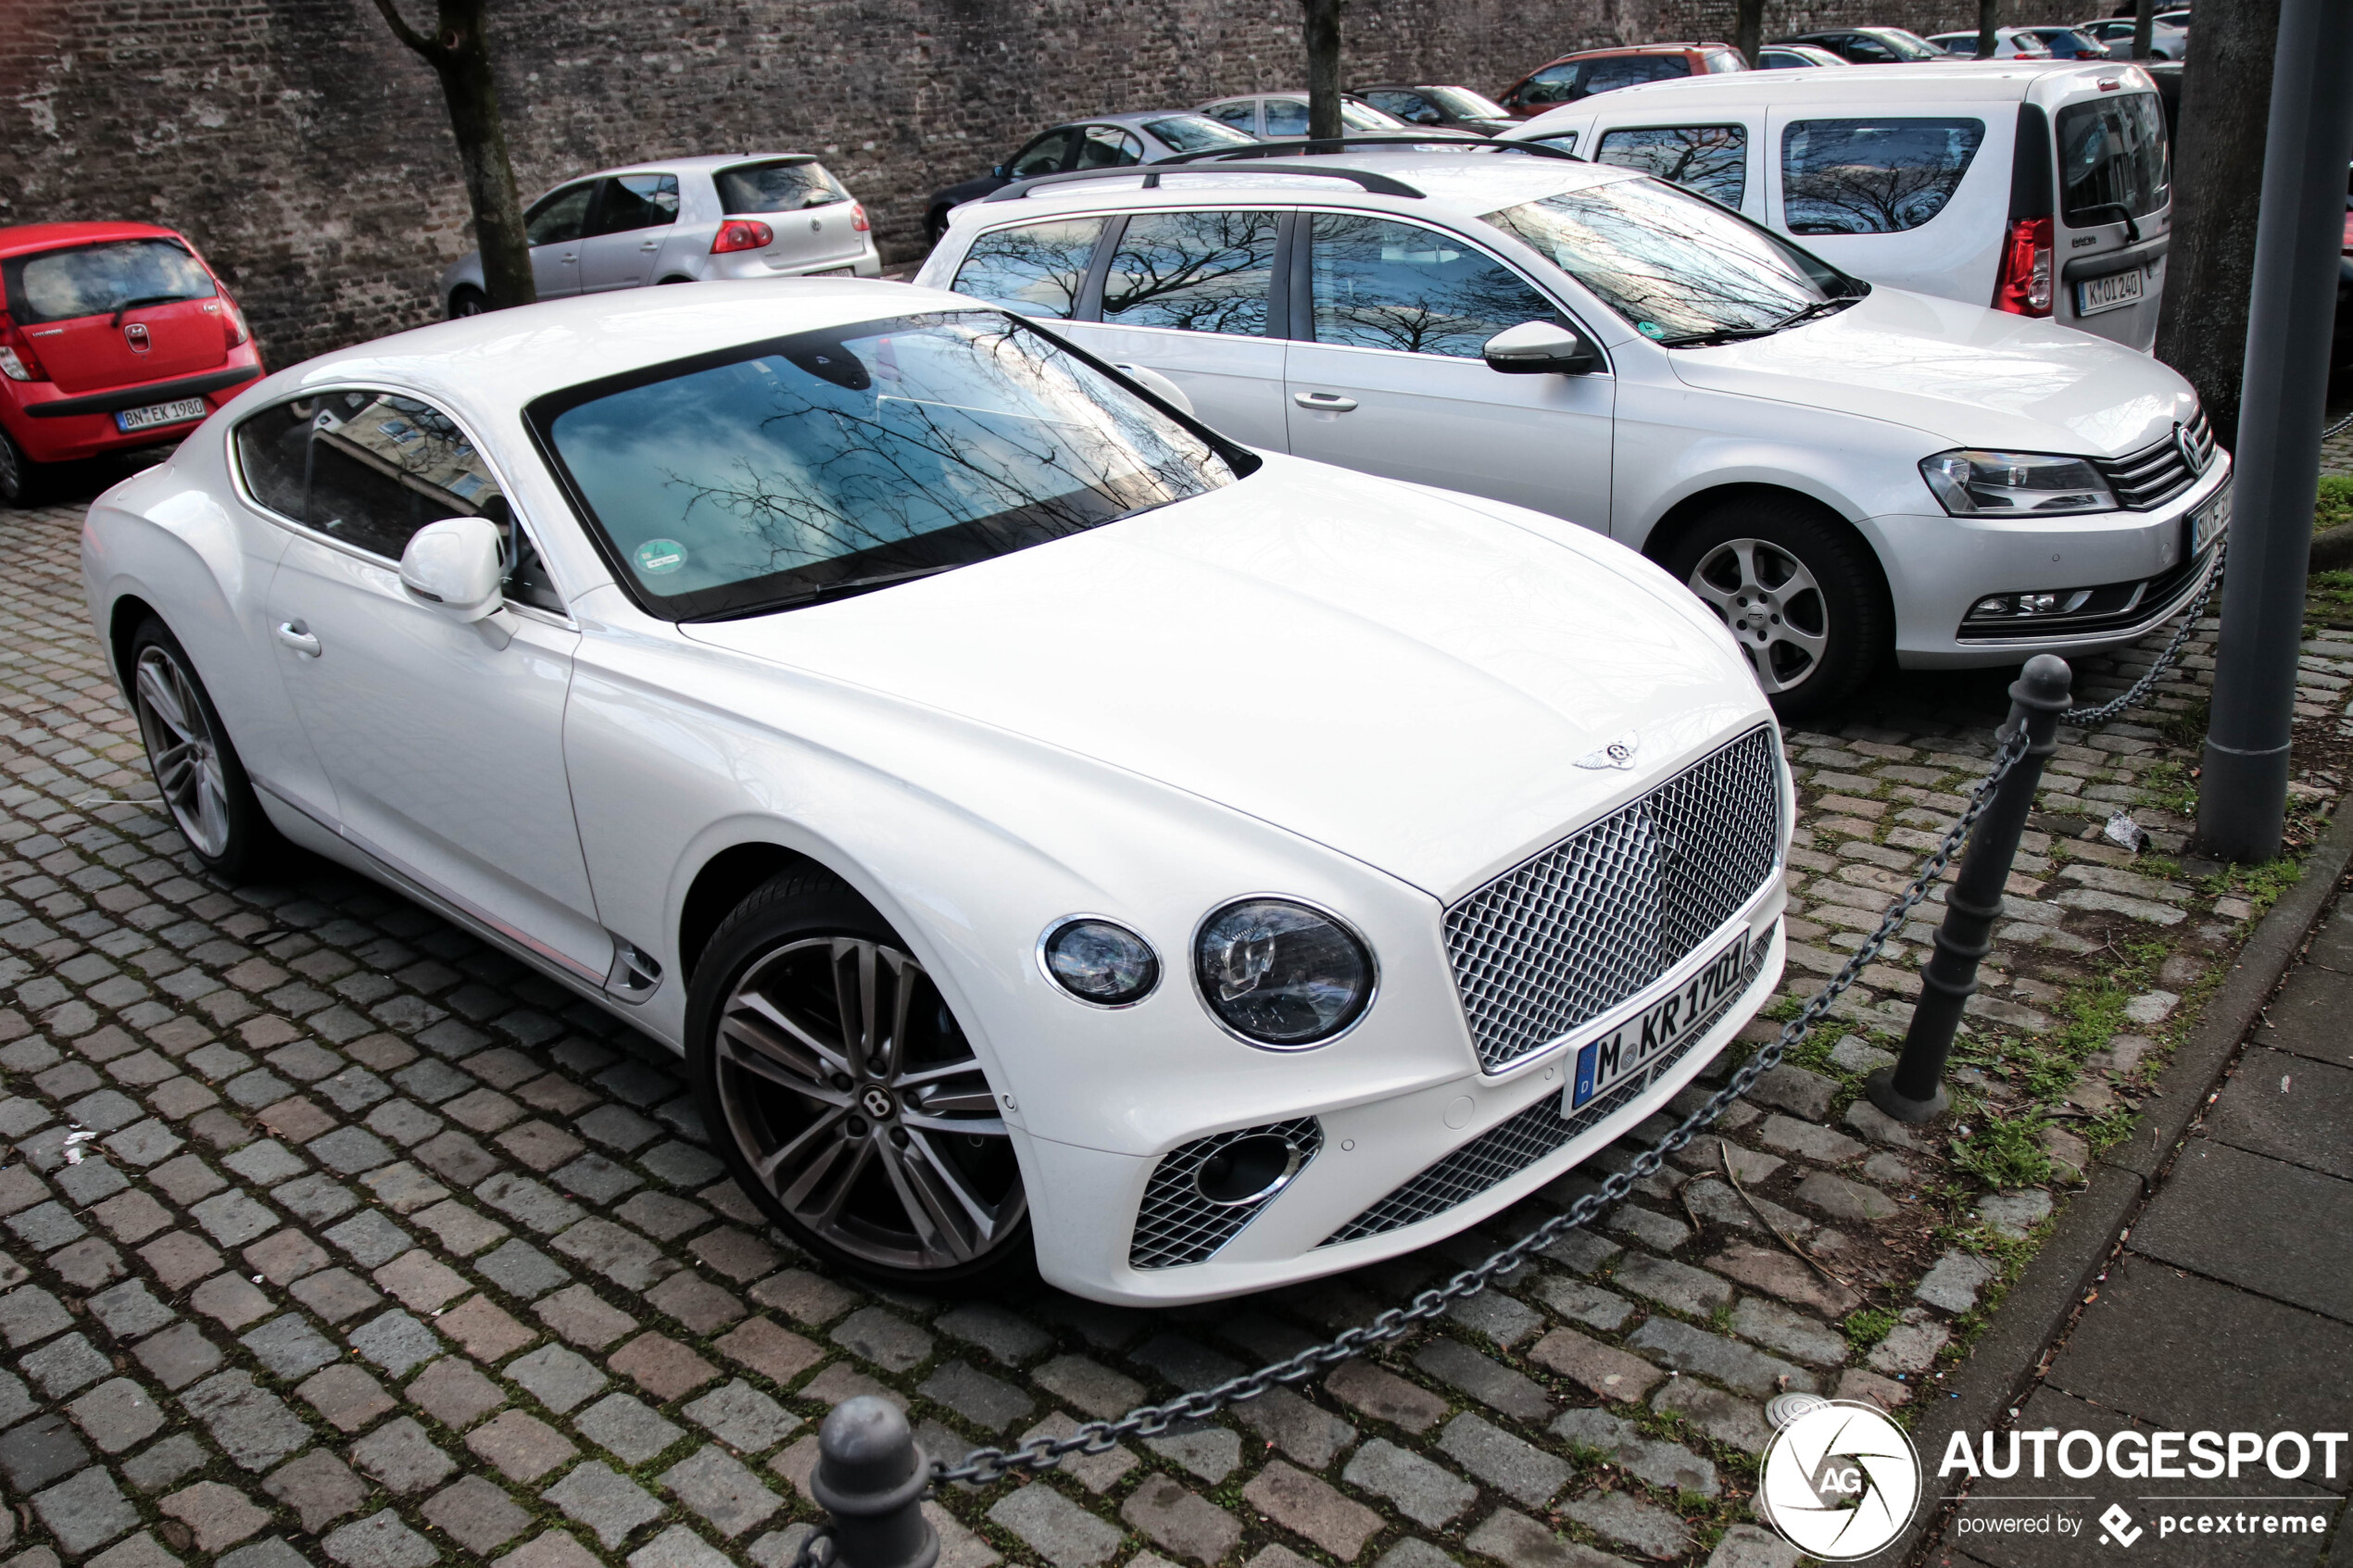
x: 196, y: 769
x: 845, y: 1096
x: 1799, y: 590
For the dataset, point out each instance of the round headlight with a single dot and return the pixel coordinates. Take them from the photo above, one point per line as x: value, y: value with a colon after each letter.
x: 1099, y: 962
x: 1280, y: 974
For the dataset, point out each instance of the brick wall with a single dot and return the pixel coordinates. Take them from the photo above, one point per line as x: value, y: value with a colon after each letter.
x: 309, y: 155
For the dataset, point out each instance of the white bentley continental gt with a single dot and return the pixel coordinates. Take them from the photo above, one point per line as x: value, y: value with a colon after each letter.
x: 1048, y: 830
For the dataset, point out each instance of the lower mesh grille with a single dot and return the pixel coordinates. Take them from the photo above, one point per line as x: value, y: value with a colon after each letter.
x: 1511, y: 1147
x: 1175, y: 1224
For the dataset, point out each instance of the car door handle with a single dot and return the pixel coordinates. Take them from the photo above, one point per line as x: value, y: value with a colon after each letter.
x: 293, y: 634
x: 1323, y: 402
x: 649, y: 246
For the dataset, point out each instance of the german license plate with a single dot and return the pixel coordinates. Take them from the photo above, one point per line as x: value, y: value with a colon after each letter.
x: 1630, y: 1049
x: 2210, y: 522
x: 156, y: 414
x: 2111, y: 293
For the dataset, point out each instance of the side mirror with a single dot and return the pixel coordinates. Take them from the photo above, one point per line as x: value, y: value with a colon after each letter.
x: 456, y: 566
x: 1160, y: 386
x: 997, y: 171
x: 1535, y: 348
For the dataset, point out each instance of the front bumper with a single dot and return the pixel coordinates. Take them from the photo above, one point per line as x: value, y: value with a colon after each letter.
x: 1371, y: 1150
x: 1938, y: 566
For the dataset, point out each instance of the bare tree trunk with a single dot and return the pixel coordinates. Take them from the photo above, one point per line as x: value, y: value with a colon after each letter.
x: 459, y: 51
x: 2143, y: 26
x: 1748, y: 31
x: 2218, y: 184
x: 1989, y: 17
x: 1323, y: 67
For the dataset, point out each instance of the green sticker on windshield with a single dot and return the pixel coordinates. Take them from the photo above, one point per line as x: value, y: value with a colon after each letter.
x: 656, y: 557
x: 1650, y: 329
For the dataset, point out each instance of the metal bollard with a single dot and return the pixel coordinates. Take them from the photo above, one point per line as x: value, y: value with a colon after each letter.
x: 1913, y: 1090
x: 871, y: 1478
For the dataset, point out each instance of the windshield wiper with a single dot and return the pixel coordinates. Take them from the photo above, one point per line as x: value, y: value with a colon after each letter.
x: 129, y: 304
x: 846, y: 589
x: 1736, y: 334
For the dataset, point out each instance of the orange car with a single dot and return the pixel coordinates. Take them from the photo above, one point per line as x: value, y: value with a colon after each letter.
x: 1589, y: 71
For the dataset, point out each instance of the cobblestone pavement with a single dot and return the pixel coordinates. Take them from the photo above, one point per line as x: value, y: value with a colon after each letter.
x: 335, y: 1236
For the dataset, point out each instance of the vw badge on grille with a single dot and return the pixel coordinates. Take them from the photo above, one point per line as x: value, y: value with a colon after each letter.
x: 2188, y: 444
x: 1619, y: 752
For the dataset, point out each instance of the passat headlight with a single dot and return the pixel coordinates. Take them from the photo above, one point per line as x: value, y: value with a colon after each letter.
x: 2016, y: 484
x: 1100, y: 962
x: 1280, y: 974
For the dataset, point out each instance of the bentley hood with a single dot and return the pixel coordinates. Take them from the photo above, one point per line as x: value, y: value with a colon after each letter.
x: 1964, y: 375
x: 1408, y: 678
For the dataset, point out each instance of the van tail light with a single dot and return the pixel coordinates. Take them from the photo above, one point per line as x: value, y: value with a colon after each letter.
x: 233, y: 332
x: 741, y: 234
x: 18, y: 362
x: 2349, y: 232
x: 2023, y: 288
x: 858, y: 219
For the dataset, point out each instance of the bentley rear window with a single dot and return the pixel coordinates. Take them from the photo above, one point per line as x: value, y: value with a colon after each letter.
x: 828, y: 464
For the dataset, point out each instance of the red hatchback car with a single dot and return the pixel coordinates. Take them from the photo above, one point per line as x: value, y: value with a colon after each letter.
x: 112, y: 336
x: 1587, y: 71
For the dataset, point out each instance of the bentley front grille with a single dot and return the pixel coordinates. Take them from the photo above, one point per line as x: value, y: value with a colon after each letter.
x: 1566, y: 936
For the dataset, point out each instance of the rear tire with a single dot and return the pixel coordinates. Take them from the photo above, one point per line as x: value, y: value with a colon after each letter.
x: 21, y: 478
x: 467, y: 300
x: 196, y: 769
x: 885, y: 1152
x: 1799, y: 590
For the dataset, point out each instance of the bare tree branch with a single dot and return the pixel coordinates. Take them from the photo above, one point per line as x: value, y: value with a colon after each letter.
x: 431, y: 51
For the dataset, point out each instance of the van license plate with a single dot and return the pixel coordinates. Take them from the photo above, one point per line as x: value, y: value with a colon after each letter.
x: 1627, y: 1050
x: 156, y: 414
x: 2111, y: 293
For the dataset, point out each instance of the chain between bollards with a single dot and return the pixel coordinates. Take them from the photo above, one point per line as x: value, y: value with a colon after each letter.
x: 1913, y: 1090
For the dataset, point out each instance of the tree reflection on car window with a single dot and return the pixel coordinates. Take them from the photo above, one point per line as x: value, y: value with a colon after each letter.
x: 1711, y: 159
x: 1195, y: 271
x: 1384, y: 285
x: 1034, y: 269
x: 1873, y: 176
x: 837, y: 463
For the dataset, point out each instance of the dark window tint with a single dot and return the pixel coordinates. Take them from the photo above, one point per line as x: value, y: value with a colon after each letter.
x: 1873, y: 176
x: 1383, y: 284
x: 823, y: 464
x: 637, y: 201
x: 1195, y: 133
x: 367, y: 468
x: 1553, y: 85
x: 781, y: 186
x: 1045, y: 155
x: 2111, y: 154
x: 1628, y: 71
x: 58, y: 285
x: 558, y: 216
x: 1196, y: 271
x: 1711, y: 159
x: 1865, y: 51
x: 1036, y: 269
x: 1107, y: 146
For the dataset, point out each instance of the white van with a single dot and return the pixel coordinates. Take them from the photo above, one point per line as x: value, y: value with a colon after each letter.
x: 2038, y: 188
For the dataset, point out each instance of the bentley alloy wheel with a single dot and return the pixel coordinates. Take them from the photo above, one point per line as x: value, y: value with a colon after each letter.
x: 859, y: 1109
x: 183, y: 749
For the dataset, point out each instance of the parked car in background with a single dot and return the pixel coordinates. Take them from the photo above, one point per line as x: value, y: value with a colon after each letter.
x: 1581, y: 75
x: 2041, y: 188
x: 113, y: 336
x: 2073, y: 44
x: 1278, y: 115
x: 1871, y: 45
x: 682, y: 220
x: 932, y: 738
x: 2010, y: 44
x: 1451, y: 109
x: 1811, y: 455
x: 1111, y: 141
x: 2166, y: 42
x: 1794, y: 56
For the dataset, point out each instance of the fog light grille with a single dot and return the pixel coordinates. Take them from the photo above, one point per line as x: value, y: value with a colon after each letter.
x: 1179, y: 1224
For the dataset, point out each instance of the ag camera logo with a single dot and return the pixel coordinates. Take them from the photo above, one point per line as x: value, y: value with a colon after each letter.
x: 1840, y: 1481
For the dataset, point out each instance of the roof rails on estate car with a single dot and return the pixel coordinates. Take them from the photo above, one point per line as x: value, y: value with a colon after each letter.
x: 1365, y: 180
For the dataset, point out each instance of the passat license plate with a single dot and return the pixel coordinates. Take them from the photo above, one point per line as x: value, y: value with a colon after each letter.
x: 2210, y: 522
x: 156, y: 414
x: 1633, y: 1045
x: 2111, y: 293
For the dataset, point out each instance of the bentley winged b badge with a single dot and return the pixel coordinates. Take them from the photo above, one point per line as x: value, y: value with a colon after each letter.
x: 1619, y: 752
